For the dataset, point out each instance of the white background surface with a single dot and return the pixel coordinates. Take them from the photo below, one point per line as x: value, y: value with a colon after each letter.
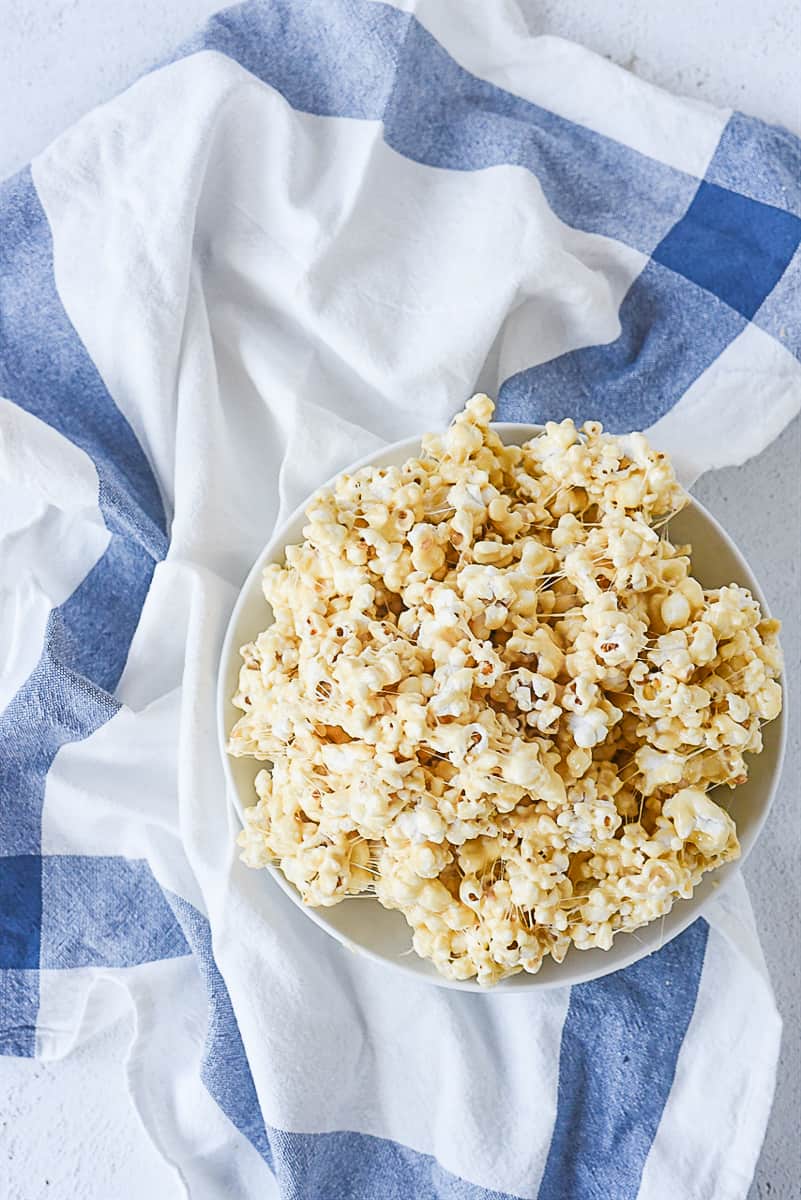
x: 67, y: 1131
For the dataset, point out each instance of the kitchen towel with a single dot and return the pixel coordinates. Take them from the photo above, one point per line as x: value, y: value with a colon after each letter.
x: 319, y: 228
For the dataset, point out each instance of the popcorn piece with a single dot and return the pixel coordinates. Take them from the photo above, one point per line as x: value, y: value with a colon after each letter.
x: 702, y: 823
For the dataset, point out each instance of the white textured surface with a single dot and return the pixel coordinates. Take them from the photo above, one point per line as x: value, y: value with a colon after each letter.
x: 67, y: 1129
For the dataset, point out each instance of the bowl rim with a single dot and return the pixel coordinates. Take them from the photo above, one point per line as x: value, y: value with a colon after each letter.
x: 511, y: 432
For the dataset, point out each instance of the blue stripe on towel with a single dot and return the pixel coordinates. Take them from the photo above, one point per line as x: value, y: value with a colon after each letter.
x: 101, y: 911
x: 225, y: 1070
x: 758, y: 160
x: 45, y: 368
x: 19, y: 1008
x: 780, y: 315
x: 310, y: 1166
x: 369, y: 61
x: 620, y: 1045
x: 85, y: 910
x: 20, y: 911
x: 636, y: 379
x: 734, y: 247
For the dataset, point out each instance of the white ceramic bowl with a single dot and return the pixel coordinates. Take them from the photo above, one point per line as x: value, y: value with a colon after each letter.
x: 383, y: 935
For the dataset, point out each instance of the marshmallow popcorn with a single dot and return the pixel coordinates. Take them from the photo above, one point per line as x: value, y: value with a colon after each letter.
x: 494, y: 697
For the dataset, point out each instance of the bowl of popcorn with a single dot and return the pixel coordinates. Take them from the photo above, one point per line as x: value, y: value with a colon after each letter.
x: 511, y: 689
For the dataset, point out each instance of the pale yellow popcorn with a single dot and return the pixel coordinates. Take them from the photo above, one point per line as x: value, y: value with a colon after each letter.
x: 427, y: 553
x: 619, y: 643
x: 671, y: 655
x: 768, y: 700
x: 675, y: 610
x: 652, y: 890
x: 535, y: 696
x: 589, y: 821
x: 701, y: 822
x: 452, y: 697
x: 495, y: 698
x: 658, y: 769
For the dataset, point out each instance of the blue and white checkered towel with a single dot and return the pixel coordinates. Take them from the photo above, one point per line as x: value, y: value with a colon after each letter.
x: 321, y: 227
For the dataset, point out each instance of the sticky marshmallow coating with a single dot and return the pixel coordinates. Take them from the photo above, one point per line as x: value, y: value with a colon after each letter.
x: 494, y: 697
